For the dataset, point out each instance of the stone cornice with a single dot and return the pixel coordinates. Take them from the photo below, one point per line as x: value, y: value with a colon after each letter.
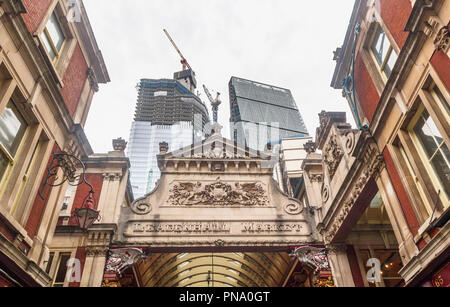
x: 28, y: 267
x: 368, y: 164
x: 436, y: 247
x: 343, y: 54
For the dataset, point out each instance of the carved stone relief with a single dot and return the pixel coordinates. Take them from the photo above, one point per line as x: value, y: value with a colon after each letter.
x: 373, y: 169
x: 442, y: 41
x: 293, y: 208
x: 332, y: 155
x: 141, y: 207
x: 350, y: 142
x: 218, y: 193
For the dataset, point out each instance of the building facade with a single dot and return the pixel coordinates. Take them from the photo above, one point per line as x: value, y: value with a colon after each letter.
x: 50, y: 68
x: 167, y: 111
x: 363, y: 206
x: 261, y: 114
x: 391, y: 174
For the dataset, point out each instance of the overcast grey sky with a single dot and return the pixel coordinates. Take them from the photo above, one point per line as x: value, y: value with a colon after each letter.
x: 286, y: 43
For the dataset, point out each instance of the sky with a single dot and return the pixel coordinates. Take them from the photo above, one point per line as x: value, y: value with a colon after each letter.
x: 285, y: 43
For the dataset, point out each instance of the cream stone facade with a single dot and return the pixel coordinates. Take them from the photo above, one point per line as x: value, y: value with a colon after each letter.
x: 51, y: 102
x: 358, y: 206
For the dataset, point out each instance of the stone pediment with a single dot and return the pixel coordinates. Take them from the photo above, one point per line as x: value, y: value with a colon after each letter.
x: 197, y: 203
x: 214, y: 147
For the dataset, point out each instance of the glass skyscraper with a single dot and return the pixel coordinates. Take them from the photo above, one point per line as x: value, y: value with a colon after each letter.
x: 262, y: 114
x: 165, y: 112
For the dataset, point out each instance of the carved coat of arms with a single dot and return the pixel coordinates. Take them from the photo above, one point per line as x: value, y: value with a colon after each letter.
x: 218, y: 194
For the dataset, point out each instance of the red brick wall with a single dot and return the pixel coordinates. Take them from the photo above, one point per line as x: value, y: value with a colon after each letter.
x: 354, y: 267
x: 366, y: 92
x: 36, y: 10
x: 74, y: 80
x: 96, y: 180
x: 407, y: 208
x: 395, y: 14
x: 39, y: 204
x: 80, y: 255
x: 6, y: 231
x: 441, y: 63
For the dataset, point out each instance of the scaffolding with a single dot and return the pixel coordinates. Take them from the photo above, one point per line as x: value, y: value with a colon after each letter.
x: 166, y: 102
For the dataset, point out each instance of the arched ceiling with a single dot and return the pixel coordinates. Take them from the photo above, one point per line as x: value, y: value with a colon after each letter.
x: 221, y: 269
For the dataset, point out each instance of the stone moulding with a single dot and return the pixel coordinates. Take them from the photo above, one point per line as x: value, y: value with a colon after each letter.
x: 371, y: 164
x: 372, y: 170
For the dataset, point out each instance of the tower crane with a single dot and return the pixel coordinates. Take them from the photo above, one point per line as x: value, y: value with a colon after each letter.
x: 215, y: 103
x: 184, y: 62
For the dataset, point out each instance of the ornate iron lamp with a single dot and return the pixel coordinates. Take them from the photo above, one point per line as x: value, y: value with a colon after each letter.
x: 86, y: 215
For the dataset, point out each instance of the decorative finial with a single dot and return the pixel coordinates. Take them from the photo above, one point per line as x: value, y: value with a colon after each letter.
x: 163, y: 148
x: 119, y: 144
x: 310, y: 147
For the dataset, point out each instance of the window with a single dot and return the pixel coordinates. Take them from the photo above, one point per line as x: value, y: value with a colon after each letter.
x: 67, y: 197
x: 60, y: 276
x: 383, y: 52
x: 49, y: 263
x: 434, y: 147
x: 439, y: 97
x: 53, y: 37
x: 390, y: 262
x: 12, y: 129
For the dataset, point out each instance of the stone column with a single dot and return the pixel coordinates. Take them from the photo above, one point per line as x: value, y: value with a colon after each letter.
x: 94, y: 267
x: 407, y: 247
x: 340, y: 267
x: 85, y: 278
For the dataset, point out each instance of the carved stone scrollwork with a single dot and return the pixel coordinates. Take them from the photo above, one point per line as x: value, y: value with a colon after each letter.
x: 141, y: 207
x: 442, y: 41
x: 314, y: 257
x: 377, y: 166
x: 325, y: 193
x: 316, y: 177
x: 120, y: 259
x: 350, y: 142
x: 218, y: 194
x: 332, y: 156
x: 293, y: 208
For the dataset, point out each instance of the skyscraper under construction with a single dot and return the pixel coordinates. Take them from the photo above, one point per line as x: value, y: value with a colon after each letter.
x: 166, y: 111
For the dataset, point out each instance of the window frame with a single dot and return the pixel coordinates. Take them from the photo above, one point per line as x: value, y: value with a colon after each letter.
x: 419, y: 148
x: 60, y: 63
x: 17, y: 144
x: 50, y: 39
x: 381, y: 67
x: 56, y: 261
x: 58, y: 267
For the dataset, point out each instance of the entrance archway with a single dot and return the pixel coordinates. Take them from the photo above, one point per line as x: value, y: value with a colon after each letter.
x: 216, y: 217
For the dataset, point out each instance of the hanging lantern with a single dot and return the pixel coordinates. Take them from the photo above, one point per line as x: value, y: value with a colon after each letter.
x: 87, y: 215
